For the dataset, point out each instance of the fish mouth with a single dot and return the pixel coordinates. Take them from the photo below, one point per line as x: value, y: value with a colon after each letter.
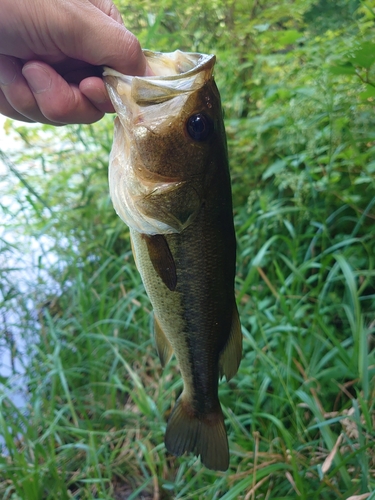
x: 169, y: 67
x: 178, y: 63
x: 175, y: 73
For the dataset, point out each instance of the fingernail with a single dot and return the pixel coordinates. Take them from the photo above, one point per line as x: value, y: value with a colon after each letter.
x: 37, y: 77
x: 8, y: 70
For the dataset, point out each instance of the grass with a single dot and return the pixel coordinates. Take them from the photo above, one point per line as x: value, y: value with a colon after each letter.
x: 99, y: 401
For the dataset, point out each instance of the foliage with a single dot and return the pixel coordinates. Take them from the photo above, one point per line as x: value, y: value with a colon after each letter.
x: 297, y: 83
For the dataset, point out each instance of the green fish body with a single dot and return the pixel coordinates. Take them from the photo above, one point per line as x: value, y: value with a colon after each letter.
x: 169, y: 181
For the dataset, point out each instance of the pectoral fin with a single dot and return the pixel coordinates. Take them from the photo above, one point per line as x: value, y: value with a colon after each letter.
x: 163, y: 346
x: 230, y: 357
x: 162, y: 259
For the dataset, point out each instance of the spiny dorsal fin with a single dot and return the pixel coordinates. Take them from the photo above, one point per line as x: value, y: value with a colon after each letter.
x: 203, y: 435
x: 162, y: 259
x: 163, y: 346
x: 230, y: 357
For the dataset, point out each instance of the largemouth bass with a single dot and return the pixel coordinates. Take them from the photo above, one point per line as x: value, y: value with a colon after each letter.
x: 169, y: 182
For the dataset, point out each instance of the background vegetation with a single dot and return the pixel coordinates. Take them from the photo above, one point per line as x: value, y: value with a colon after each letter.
x: 297, y: 82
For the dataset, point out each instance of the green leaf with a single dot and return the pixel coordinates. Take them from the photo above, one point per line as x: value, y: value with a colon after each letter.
x: 289, y: 36
x: 368, y: 93
x: 273, y: 169
x: 343, y: 69
x: 365, y: 56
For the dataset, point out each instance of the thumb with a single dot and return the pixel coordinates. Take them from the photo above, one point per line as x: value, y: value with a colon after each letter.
x: 99, y: 38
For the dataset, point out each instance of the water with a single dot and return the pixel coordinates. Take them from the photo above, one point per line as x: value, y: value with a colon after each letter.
x: 10, y: 341
x: 26, y: 284
x: 20, y: 271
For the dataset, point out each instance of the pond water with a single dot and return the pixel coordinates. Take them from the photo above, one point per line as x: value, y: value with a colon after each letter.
x: 21, y: 280
x: 11, y: 343
x: 25, y: 281
x: 19, y: 256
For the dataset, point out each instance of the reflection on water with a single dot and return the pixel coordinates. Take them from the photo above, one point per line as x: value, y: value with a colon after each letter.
x: 24, y: 284
x: 25, y: 277
x: 12, y: 366
x: 28, y: 263
x: 21, y: 281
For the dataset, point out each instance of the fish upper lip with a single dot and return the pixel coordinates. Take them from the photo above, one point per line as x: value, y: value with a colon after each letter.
x: 202, y: 62
x: 159, y: 88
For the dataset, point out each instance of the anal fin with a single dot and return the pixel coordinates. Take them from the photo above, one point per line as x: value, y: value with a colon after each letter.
x: 230, y: 357
x: 163, y: 346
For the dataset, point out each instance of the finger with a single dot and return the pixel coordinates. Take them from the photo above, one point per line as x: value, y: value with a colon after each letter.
x: 17, y: 99
x: 7, y: 110
x: 57, y: 100
x: 89, y: 81
x: 109, y: 8
x: 94, y: 89
x: 106, y: 42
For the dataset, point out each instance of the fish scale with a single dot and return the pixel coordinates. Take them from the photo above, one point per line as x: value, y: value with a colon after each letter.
x: 169, y: 181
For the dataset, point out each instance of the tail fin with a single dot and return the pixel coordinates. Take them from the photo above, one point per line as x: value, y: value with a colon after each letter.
x: 205, y: 436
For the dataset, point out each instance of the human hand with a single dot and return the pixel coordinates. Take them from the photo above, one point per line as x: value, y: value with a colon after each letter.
x: 50, y: 57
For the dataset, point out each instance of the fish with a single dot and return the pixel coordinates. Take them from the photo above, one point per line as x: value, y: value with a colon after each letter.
x: 169, y: 181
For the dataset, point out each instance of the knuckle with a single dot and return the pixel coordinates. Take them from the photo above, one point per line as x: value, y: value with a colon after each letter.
x: 60, y: 105
x: 55, y: 113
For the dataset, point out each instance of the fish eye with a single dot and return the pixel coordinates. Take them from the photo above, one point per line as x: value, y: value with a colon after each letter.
x: 199, y: 126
